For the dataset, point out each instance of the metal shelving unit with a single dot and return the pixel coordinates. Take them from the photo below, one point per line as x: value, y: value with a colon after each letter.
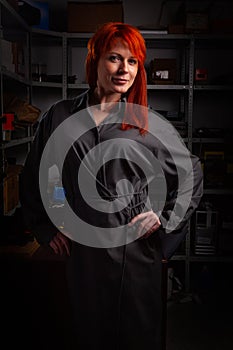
x: 216, y: 91
x: 13, y: 29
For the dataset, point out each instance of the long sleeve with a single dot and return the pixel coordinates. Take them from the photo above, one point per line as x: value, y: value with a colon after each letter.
x: 34, y: 214
x: 184, y: 181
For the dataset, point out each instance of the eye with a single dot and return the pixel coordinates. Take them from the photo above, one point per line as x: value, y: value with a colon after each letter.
x: 114, y: 58
x: 133, y: 61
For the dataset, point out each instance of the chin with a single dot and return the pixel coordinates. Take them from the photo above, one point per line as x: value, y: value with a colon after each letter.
x: 121, y: 90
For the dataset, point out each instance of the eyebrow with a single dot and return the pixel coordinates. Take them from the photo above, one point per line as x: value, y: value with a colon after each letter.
x: 116, y: 53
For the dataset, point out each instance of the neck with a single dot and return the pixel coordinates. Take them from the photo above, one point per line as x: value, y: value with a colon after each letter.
x: 100, y: 98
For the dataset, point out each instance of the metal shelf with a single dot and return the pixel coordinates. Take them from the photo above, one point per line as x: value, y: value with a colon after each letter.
x: 211, y: 258
x: 46, y: 38
x: 213, y: 87
x: 167, y: 87
x: 14, y: 76
x: 178, y: 257
x: 47, y: 32
x: 207, y: 140
x: 47, y: 84
x: 78, y: 35
x: 219, y: 191
x: 200, y: 258
x: 149, y: 87
x: 157, y: 36
x: 17, y: 142
x: 213, y: 36
x: 78, y: 86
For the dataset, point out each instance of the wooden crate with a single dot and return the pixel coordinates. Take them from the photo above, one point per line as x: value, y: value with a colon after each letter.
x: 11, y: 188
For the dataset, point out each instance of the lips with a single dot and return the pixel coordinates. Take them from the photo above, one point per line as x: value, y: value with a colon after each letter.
x: 119, y: 81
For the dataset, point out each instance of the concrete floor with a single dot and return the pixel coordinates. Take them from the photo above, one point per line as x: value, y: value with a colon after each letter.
x: 199, y: 321
x: 200, y: 326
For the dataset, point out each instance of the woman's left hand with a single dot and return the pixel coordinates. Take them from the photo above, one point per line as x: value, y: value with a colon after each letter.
x: 148, y: 223
x: 60, y: 244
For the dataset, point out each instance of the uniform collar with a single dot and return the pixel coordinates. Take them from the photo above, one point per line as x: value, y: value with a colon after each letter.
x: 80, y: 102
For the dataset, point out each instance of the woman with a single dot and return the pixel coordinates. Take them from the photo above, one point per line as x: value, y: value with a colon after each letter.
x: 115, y: 282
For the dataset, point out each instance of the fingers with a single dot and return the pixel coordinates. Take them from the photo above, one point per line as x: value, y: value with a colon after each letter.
x: 60, y: 244
x: 65, y: 242
x: 147, y: 223
x: 53, y: 245
x: 153, y: 228
x: 138, y: 217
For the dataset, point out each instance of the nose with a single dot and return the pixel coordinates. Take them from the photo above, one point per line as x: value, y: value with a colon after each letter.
x: 123, y: 68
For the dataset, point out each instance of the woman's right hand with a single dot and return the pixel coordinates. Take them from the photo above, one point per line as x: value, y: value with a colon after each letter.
x: 148, y: 222
x: 60, y: 244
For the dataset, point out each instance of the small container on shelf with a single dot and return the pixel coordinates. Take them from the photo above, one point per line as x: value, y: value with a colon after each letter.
x: 7, y: 126
x: 206, y: 231
x: 39, y: 72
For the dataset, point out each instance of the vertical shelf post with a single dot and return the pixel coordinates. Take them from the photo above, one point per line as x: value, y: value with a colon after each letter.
x: 191, y: 89
x: 64, y: 66
x: 1, y: 111
x: 190, y: 135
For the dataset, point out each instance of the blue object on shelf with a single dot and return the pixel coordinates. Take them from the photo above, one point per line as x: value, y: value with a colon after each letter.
x: 59, y: 194
x: 43, y: 7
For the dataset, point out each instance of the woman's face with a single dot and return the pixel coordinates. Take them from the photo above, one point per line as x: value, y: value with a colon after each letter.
x: 116, y: 69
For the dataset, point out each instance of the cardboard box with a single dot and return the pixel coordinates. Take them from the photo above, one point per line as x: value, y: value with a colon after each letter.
x: 201, y: 74
x: 162, y: 71
x: 196, y: 22
x: 222, y: 26
x: 176, y: 29
x: 87, y: 17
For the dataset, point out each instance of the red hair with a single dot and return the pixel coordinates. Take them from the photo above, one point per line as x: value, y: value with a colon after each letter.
x: 101, y: 42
